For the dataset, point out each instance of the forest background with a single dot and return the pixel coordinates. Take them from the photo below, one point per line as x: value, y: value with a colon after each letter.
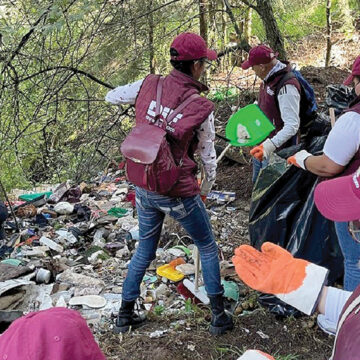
x: 59, y: 58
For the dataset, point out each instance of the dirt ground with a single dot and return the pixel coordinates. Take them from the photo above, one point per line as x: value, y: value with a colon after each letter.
x: 184, y: 335
x: 285, y: 339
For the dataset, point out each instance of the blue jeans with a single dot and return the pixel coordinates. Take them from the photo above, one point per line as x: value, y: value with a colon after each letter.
x: 351, y: 252
x: 257, y: 166
x: 191, y: 214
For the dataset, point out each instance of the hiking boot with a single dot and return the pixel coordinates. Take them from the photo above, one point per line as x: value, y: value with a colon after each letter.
x: 127, y: 319
x: 220, y: 321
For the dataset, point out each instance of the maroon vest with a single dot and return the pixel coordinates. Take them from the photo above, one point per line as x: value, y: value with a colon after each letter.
x: 355, y: 161
x: 267, y: 101
x: 347, y: 342
x: 181, y: 131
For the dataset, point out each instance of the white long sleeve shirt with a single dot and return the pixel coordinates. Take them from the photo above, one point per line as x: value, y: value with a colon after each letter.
x: 127, y: 94
x: 343, y: 141
x: 289, y: 105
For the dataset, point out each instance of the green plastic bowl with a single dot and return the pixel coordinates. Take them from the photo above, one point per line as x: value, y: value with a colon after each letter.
x: 254, y: 120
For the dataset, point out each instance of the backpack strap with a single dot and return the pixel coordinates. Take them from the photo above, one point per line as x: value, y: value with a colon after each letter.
x: 182, y: 106
x: 159, y: 89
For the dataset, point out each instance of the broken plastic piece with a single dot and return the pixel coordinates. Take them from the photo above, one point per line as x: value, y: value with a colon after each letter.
x: 169, y: 272
x: 93, y: 301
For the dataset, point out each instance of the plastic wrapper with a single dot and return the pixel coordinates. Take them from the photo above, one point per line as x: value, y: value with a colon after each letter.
x: 283, y: 212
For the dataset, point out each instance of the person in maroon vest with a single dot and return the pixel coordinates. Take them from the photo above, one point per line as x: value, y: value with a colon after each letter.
x: 300, y: 283
x: 283, y: 112
x: 341, y: 155
x: 191, y: 129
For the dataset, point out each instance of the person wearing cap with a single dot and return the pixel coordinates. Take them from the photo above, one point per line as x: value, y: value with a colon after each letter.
x: 283, y: 111
x: 300, y: 283
x: 341, y: 155
x: 53, y: 334
x: 192, y: 129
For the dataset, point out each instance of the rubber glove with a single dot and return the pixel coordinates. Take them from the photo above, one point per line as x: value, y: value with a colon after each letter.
x: 255, y: 355
x: 299, y: 159
x: 264, y: 150
x: 205, y: 188
x: 274, y: 270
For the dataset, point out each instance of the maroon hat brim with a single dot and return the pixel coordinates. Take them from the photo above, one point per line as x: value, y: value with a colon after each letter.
x: 335, y: 199
x: 348, y: 81
x: 211, y: 54
x: 245, y: 65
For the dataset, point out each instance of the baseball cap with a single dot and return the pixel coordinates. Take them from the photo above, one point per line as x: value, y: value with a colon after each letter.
x: 190, y: 46
x: 56, y: 334
x: 355, y: 71
x: 260, y: 54
x: 339, y: 199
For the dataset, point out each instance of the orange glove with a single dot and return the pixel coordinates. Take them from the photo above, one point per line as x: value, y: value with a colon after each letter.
x: 263, y: 150
x: 299, y: 159
x: 203, y: 198
x: 275, y: 271
x: 257, y: 152
x: 255, y: 355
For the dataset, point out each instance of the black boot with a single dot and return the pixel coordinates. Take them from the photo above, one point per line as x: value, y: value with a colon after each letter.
x: 127, y: 318
x: 220, y: 321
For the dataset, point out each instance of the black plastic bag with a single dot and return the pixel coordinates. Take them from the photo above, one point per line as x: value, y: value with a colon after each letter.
x: 278, y: 307
x: 283, y: 212
x: 339, y: 97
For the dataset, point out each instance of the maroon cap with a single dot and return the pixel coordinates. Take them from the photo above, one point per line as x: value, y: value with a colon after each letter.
x: 339, y: 199
x: 190, y: 46
x: 355, y: 71
x: 260, y: 54
x: 56, y: 334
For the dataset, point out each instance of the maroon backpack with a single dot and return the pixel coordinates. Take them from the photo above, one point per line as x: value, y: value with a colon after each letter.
x: 149, y: 160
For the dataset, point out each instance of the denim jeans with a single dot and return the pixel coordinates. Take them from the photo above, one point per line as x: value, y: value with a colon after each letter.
x: 351, y: 252
x: 191, y: 214
x: 257, y: 166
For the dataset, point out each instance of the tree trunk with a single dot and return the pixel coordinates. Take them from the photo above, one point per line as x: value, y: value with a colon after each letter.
x: 328, y: 33
x: 203, y: 21
x: 151, y: 38
x: 247, y: 24
x: 272, y: 30
x: 345, y: 15
x: 244, y: 44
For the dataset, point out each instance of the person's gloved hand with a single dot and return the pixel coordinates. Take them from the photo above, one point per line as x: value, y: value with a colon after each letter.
x: 255, y: 355
x: 275, y: 271
x: 299, y: 159
x: 205, y: 188
x: 263, y: 150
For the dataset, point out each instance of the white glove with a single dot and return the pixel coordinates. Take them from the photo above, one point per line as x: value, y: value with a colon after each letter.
x: 206, y: 186
x: 263, y: 150
x: 269, y: 148
x: 299, y: 159
x: 255, y: 355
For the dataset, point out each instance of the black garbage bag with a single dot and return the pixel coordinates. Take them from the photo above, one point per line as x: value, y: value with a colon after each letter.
x: 283, y: 212
x: 278, y: 307
x: 339, y: 97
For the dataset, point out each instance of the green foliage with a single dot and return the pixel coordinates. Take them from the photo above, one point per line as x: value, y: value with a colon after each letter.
x: 56, y: 56
x: 158, y: 310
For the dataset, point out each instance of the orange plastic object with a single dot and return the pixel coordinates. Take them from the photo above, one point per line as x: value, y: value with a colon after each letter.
x: 169, y: 271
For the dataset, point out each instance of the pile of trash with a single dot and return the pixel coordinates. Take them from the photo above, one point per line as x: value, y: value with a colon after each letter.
x: 70, y: 245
